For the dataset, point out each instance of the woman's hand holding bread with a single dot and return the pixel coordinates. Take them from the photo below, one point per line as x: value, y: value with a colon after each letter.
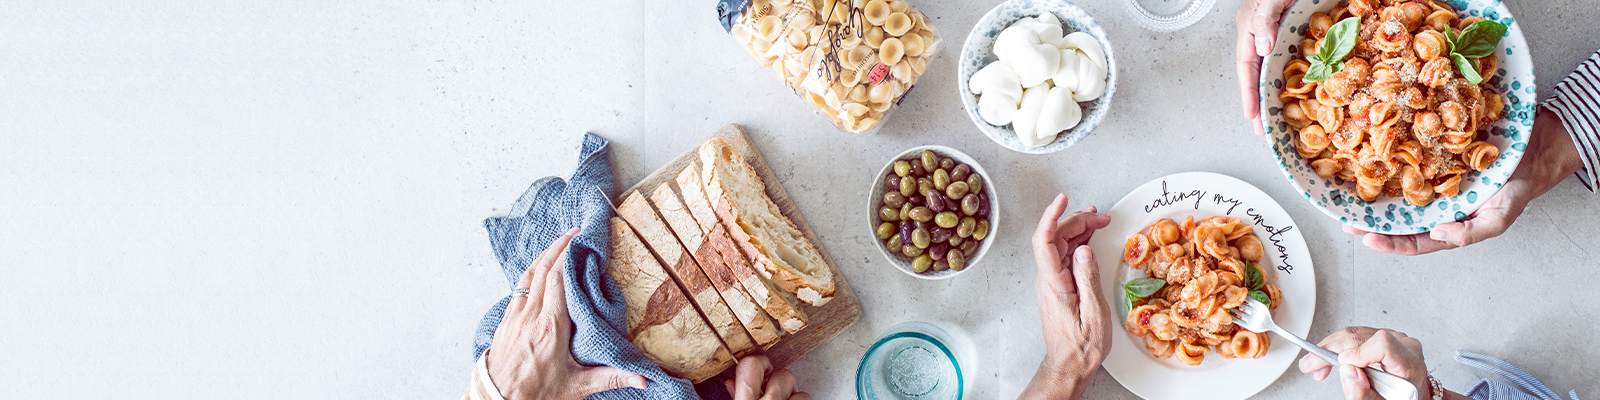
x: 755, y: 380
x: 1074, y: 314
x: 531, y: 357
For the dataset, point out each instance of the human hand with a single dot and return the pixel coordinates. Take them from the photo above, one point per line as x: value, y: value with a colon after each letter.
x: 531, y: 357
x: 752, y: 372
x: 1381, y: 349
x: 1551, y: 157
x: 1074, y: 314
x: 1258, y: 30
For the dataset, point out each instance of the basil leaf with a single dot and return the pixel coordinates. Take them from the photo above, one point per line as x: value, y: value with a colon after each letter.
x: 1261, y: 297
x: 1468, y: 70
x: 1252, y: 278
x: 1480, y: 39
x: 1449, y: 38
x: 1319, y: 72
x: 1128, y: 301
x: 1340, y: 39
x: 1143, y: 287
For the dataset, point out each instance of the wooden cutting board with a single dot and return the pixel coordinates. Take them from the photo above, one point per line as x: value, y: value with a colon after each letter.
x: 826, y: 321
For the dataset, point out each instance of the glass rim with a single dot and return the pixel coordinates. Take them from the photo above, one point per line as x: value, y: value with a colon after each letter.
x: 1197, y: 10
x: 956, y: 364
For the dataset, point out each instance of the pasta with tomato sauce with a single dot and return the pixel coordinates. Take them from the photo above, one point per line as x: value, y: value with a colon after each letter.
x: 1398, y: 120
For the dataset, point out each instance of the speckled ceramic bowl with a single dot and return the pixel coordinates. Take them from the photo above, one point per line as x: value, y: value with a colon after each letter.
x: 1391, y: 215
x: 978, y: 52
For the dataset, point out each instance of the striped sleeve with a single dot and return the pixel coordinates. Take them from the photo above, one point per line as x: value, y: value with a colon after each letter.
x: 1577, y: 103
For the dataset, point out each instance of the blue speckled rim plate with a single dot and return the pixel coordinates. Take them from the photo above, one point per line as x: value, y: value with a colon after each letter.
x: 1394, y: 216
x: 978, y: 52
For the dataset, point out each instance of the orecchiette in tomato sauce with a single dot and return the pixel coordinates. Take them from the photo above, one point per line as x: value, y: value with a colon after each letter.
x: 1399, y: 119
x: 1208, y: 266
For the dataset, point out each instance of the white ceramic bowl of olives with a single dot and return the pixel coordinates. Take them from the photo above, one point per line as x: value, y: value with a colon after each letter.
x: 946, y: 223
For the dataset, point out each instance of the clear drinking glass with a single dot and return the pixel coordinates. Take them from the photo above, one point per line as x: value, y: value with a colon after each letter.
x: 914, y: 360
x: 1168, y: 15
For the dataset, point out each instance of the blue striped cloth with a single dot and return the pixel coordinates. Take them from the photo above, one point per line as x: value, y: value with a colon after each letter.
x: 1526, y: 387
x: 1577, y: 103
x: 547, y: 210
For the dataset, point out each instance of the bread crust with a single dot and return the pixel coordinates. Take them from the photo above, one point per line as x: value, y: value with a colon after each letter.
x: 660, y: 320
x: 783, y: 311
x: 695, y: 284
x: 738, y: 196
x: 754, y: 318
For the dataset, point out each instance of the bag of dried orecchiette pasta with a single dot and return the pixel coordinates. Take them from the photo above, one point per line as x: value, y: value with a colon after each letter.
x: 852, y: 59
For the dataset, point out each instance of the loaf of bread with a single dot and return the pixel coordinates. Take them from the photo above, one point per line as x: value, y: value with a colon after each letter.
x: 660, y: 239
x: 753, y: 318
x: 781, y: 309
x: 661, y: 322
x: 739, y: 197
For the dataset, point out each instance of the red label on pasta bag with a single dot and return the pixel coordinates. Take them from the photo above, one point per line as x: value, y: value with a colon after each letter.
x: 879, y: 72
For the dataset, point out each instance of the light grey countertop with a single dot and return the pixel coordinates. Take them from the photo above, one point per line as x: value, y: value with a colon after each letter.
x: 274, y: 201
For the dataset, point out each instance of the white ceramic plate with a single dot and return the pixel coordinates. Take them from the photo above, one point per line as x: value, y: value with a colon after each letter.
x: 1205, y: 194
x: 1391, y: 215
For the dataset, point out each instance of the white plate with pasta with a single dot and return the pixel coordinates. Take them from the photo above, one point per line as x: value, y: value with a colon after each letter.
x: 1399, y: 159
x: 1279, y: 250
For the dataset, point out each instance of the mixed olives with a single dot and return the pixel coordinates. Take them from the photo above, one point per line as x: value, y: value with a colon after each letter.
x: 934, y: 212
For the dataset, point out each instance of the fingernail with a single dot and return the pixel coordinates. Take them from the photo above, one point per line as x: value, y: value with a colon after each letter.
x: 1344, y: 358
x: 1263, y: 47
x: 1438, y: 234
x: 1349, y: 372
x: 638, y: 383
x: 1322, y: 374
x: 575, y: 230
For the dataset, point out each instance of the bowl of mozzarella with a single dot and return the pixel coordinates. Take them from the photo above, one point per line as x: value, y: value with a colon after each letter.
x: 1037, y: 76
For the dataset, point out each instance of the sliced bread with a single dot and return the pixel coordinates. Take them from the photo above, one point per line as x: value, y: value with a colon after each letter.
x: 683, y: 269
x: 661, y: 322
x: 790, y: 317
x: 753, y: 317
x: 739, y: 196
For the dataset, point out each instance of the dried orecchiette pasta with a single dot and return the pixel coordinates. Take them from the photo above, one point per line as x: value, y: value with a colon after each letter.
x: 850, y: 59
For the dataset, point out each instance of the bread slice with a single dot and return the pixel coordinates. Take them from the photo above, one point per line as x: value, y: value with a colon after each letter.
x: 790, y: 317
x: 683, y: 269
x: 753, y: 318
x: 661, y: 322
x: 739, y: 196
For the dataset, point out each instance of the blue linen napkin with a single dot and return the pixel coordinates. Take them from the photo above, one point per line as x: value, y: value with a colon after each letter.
x: 547, y: 210
x: 1526, y: 388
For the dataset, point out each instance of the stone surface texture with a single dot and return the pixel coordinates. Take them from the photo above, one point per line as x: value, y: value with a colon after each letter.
x: 285, y: 201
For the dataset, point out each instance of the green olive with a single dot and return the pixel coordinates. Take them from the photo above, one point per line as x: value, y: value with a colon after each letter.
x: 924, y: 185
x: 975, y: 183
x: 946, y: 219
x: 894, y: 199
x: 902, y: 168
x: 941, y: 179
x: 955, y: 241
x: 968, y: 224
x: 885, y: 230
x: 905, y: 211
x: 981, y: 231
x: 930, y: 161
x: 908, y: 186
x: 969, y: 205
x: 912, y: 250
x: 921, y: 238
x: 893, y: 242
x: 957, y: 260
x: 887, y: 214
x: 961, y: 172
x: 922, y: 214
x: 956, y: 190
x: 969, y: 248
x: 948, y: 163
x: 921, y: 263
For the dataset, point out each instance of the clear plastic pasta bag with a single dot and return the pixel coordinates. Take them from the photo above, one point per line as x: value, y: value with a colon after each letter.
x: 851, y: 59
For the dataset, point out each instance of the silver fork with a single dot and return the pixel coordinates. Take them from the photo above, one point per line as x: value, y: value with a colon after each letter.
x: 1257, y: 317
